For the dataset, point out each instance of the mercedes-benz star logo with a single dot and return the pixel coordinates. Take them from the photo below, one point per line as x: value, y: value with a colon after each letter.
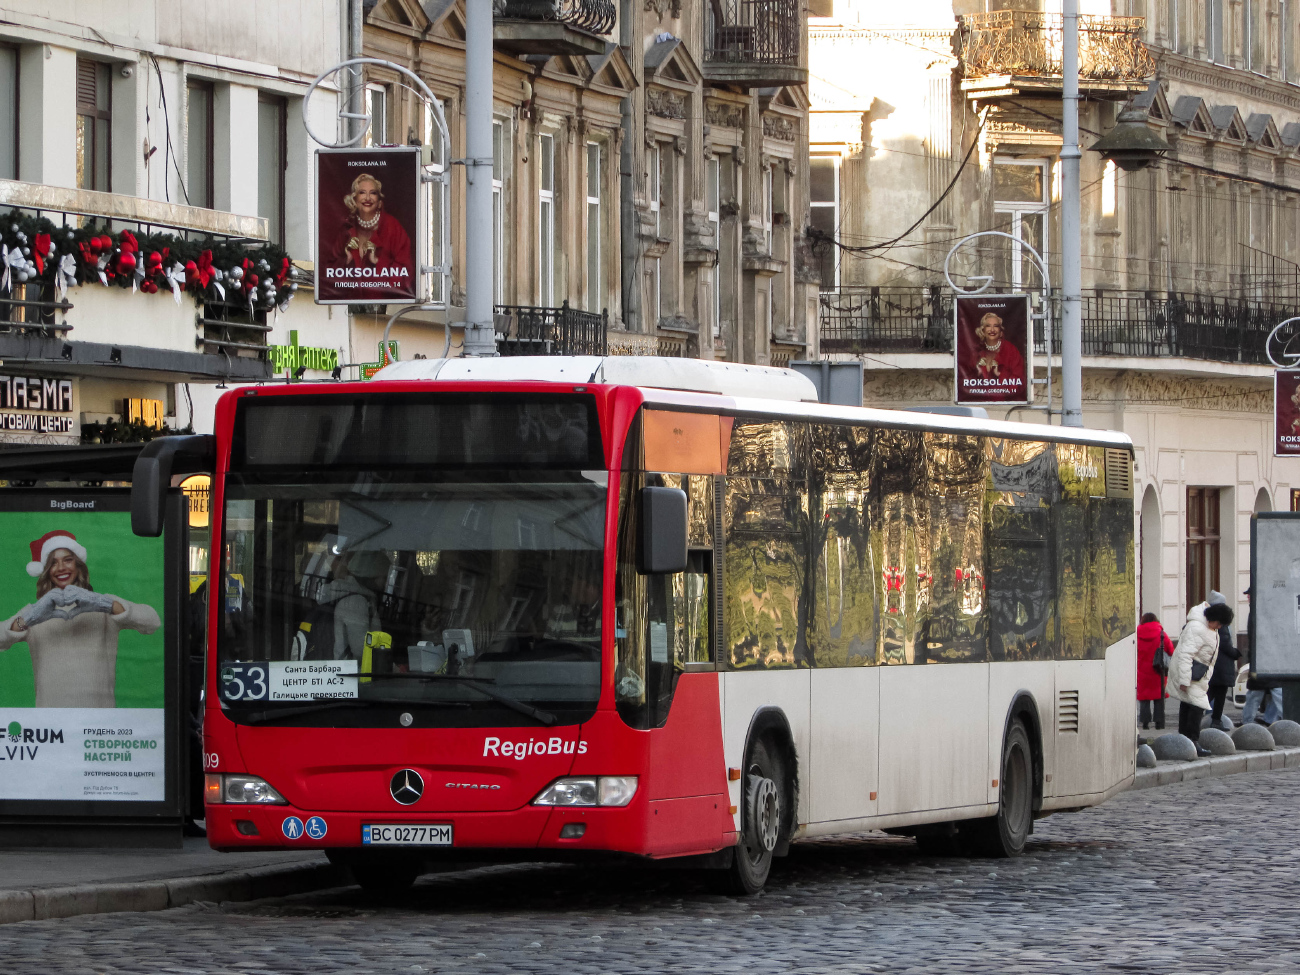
x: 407, y: 786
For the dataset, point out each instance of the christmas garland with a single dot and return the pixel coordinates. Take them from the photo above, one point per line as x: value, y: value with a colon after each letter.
x: 34, y: 249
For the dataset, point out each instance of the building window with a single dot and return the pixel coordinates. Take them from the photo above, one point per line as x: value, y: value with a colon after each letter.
x: 377, y: 106
x: 498, y: 210
x: 1256, y: 35
x: 1202, y: 543
x: 655, y: 194
x: 1021, y: 196
x: 8, y: 113
x: 713, y: 192
x: 1214, y: 30
x: 271, y: 165
x: 767, y: 209
x: 546, y: 221
x: 437, y: 206
x: 1290, y: 27
x: 824, y: 216
x: 595, y: 265
x: 198, y: 144
x: 94, y: 124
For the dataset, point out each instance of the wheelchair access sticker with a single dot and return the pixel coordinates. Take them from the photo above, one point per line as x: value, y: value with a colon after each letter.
x: 316, y: 828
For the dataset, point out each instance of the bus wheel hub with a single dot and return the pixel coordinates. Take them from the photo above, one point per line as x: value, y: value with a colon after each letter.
x: 764, y: 811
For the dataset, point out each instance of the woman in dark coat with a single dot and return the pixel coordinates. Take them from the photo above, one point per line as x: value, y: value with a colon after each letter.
x: 1224, y: 677
x: 1151, y: 637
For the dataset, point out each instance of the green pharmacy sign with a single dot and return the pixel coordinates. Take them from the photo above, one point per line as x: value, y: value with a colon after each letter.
x: 292, y: 357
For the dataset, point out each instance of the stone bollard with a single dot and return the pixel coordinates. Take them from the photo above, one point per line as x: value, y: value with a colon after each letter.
x: 1146, y: 758
x: 1217, y: 742
x: 1286, y: 734
x: 1253, y: 738
x: 1225, y: 723
x: 1175, y: 748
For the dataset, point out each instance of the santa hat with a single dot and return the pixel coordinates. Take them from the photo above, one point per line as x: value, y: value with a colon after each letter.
x: 47, y: 543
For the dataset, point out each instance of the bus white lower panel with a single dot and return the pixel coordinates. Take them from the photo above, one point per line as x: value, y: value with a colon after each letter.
x: 897, y: 820
x: 845, y: 766
x: 1006, y: 680
x: 934, y: 729
x: 744, y: 694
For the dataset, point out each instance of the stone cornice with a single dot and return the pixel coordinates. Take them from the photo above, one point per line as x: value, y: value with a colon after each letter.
x: 1220, y: 78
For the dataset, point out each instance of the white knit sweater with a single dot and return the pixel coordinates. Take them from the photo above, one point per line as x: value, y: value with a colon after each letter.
x: 75, y: 661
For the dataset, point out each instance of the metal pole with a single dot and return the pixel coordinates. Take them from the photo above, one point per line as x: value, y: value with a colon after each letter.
x: 479, y: 336
x: 356, y: 90
x: 1071, y: 258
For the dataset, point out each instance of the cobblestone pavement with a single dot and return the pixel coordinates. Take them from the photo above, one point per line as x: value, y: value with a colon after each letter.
x: 1194, y: 878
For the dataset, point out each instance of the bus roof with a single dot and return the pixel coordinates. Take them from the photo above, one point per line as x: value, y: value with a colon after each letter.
x: 756, y: 390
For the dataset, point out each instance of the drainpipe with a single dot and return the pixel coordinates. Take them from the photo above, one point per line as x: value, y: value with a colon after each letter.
x: 630, y: 252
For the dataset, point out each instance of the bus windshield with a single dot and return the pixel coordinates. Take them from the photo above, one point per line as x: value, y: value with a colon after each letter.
x: 459, y: 600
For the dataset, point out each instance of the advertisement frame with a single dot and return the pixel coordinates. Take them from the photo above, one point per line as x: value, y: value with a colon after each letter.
x: 421, y: 229
x: 1277, y: 413
x: 1028, y: 352
x: 1261, y: 610
x: 57, y: 812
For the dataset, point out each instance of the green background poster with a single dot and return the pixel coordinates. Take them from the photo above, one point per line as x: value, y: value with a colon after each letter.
x: 120, y: 563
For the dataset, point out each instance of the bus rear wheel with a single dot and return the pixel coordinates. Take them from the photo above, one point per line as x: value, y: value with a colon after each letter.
x: 1005, y: 834
x: 761, y: 821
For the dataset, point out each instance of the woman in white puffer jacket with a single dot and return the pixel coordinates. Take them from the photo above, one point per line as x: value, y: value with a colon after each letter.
x: 1198, y: 644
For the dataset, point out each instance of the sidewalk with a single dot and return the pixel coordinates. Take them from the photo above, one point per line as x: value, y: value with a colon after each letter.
x: 40, y: 884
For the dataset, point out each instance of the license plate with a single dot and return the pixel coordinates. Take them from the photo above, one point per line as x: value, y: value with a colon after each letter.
x: 401, y: 834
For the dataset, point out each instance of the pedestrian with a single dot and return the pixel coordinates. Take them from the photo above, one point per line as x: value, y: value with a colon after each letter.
x: 1189, y: 670
x: 1256, y: 689
x: 1224, y: 675
x: 1153, y: 652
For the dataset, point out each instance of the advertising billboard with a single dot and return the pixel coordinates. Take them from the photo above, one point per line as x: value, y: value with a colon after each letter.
x: 87, y: 647
x: 368, y: 226
x: 994, y: 351
x: 1286, y: 413
x: 1275, y: 595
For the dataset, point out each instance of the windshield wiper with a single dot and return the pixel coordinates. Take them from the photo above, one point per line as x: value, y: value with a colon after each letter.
x: 482, y: 686
x: 261, y: 717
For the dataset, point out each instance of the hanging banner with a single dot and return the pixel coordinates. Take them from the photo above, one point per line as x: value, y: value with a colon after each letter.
x: 85, y: 709
x: 994, y: 351
x: 368, y: 226
x: 1286, y: 413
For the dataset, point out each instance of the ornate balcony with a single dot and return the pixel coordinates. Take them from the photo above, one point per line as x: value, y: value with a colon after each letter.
x: 1142, y: 324
x: 753, y: 43
x: 530, y: 330
x: 550, y: 27
x: 1010, y: 51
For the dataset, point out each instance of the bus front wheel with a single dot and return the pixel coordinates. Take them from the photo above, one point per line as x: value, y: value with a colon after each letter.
x: 761, y: 820
x: 1004, y: 835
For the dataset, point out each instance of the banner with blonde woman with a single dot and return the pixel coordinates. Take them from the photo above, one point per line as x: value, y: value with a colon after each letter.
x: 368, y: 226
x: 83, y: 697
x: 994, y: 350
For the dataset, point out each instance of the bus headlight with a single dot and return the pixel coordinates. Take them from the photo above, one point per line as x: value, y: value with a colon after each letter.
x: 605, y: 790
x: 241, y: 789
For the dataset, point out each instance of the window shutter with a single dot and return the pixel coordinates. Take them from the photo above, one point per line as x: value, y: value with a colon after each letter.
x: 87, y: 85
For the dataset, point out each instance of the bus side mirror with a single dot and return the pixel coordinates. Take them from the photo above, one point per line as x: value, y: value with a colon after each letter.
x: 153, y: 472
x: 663, y: 530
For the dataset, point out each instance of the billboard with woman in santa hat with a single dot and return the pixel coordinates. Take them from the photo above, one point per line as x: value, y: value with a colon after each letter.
x: 70, y: 629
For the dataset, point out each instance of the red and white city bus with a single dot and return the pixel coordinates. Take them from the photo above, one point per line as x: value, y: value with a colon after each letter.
x: 546, y: 608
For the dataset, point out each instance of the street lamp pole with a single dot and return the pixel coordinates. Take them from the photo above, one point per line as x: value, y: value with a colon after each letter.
x: 480, y: 337
x: 1071, y: 257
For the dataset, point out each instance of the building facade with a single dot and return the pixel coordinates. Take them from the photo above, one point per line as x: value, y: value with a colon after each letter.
x: 144, y: 157
x: 943, y: 120
x: 649, y: 176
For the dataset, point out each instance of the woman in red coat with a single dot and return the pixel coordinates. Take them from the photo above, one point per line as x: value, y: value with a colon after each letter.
x: 1151, y: 637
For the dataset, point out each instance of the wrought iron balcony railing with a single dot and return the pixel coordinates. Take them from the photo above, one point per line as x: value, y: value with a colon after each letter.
x: 1024, y: 43
x: 593, y: 16
x: 1115, y: 323
x: 530, y: 330
x: 753, y: 42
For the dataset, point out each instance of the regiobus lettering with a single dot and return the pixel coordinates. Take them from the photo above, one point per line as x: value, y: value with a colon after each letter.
x: 519, y: 750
